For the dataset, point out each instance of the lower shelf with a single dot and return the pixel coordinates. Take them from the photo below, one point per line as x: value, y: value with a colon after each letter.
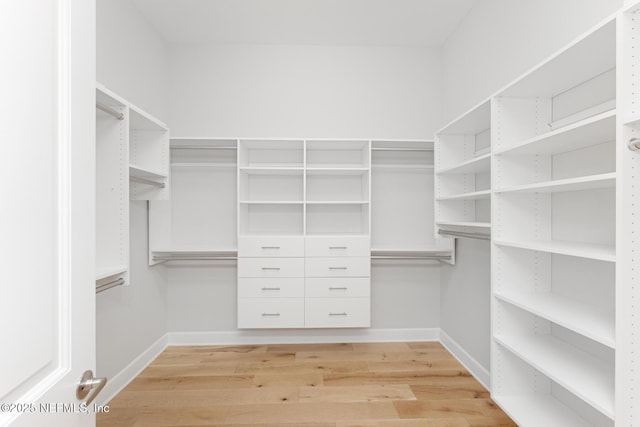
x: 534, y: 410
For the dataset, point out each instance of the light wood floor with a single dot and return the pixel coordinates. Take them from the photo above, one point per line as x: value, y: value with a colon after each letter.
x: 318, y: 385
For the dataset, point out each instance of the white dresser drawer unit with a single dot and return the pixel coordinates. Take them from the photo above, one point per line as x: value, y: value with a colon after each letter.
x: 337, y: 312
x: 337, y: 246
x: 270, y: 313
x: 338, y: 267
x: 270, y: 267
x: 271, y: 246
x: 270, y: 288
x: 338, y: 287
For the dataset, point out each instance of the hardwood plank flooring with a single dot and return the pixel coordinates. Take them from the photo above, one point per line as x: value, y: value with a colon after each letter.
x: 305, y: 385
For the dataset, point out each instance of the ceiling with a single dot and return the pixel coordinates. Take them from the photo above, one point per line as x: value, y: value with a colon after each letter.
x: 307, y: 22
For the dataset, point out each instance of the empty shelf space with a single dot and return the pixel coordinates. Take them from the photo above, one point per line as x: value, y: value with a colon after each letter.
x: 466, y: 224
x: 337, y: 202
x: 258, y: 170
x: 587, y: 320
x: 139, y: 172
x: 111, y: 272
x: 337, y: 171
x: 591, y: 131
x: 472, y: 122
x: 476, y: 165
x: 141, y: 120
x: 605, y: 180
x: 540, y: 410
x: 633, y: 119
x: 401, y: 167
x: 474, y: 195
x: 578, y: 249
x: 582, y: 374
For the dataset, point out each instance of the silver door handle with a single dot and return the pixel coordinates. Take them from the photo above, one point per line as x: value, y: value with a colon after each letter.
x: 270, y: 314
x: 337, y: 247
x: 270, y: 247
x: 88, y: 383
x: 338, y: 314
x: 271, y: 268
x: 270, y: 289
x: 337, y: 268
x: 342, y: 288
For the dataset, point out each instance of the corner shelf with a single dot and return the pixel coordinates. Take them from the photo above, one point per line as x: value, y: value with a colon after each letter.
x: 606, y: 180
x: 476, y: 165
x: 474, y: 195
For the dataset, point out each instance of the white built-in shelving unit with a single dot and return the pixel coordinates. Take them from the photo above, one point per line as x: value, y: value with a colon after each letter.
x: 131, y: 164
x: 556, y: 191
x: 463, y: 175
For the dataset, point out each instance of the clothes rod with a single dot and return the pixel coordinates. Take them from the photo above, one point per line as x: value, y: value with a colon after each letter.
x: 464, y: 234
x: 109, y: 285
x: 202, y: 147
x: 147, y: 181
x: 117, y: 114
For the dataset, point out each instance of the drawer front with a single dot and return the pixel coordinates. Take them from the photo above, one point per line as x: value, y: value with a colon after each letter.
x: 338, y: 267
x: 271, y: 247
x: 337, y: 312
x: 338, y: 287
x: 270, y: 267
x: 270, y: 288
x: 337, y: 246
x: 270, y: 313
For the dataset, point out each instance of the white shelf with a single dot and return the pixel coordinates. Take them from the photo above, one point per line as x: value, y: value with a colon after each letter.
x: 632, y: 120
x: 584, y: 375
x: 606, y: 180
x: 337, y: 202
x: 271, y: 202
x: 140, y: 172
x: 467, y: 224
x: 476, y: 165
x: 271, y: 170
x: 585, y: 133
x: 337, y: 171
x: 141, y: 120
x: 587, y: 320
x: 536, y: 410
x: 402, y: 167
x: 474, y: 121
x: 115, y: 271
x: 577, y: 249
x: 475, y: 195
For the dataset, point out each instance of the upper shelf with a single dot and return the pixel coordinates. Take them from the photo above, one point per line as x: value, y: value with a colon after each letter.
x: 141, y: 120
x: 474, y: 121
x: 595, y: 53
x: 590, y: 131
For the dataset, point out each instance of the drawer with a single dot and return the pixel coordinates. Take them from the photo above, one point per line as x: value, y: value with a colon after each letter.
x: 337, y: 312
x: 338, y: 267
x: 271, y: 313
x: 270, y: 267
x: 274, y: 246
x: 271, y: 288
x: 339, y: 287
x: 321, y: 246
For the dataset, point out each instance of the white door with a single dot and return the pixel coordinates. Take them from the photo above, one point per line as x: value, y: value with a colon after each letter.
x: 47, y: 281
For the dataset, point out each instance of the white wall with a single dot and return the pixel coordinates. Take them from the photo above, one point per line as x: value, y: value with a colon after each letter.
x: 497, y: 42
x: 131, y: 61
x: 303, y: 91
x: 307, y: 91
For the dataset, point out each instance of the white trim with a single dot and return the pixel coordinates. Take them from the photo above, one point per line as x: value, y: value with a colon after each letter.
x: 131, y: 371
x: 473, y: 366
x: 303, y: 336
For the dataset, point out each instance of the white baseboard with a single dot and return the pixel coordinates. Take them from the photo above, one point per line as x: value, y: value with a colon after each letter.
x: 128, y: 374
x: 476, y: 369
x: 302, y: 336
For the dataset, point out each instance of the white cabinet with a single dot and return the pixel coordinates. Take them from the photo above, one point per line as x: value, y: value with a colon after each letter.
x: 303, y: 213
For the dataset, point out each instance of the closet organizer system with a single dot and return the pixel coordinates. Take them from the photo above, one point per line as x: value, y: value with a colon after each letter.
x: 546, y: 169
x: 304, y: 218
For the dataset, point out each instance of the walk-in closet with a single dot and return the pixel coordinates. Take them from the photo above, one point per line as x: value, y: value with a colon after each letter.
x: 321, y: 213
